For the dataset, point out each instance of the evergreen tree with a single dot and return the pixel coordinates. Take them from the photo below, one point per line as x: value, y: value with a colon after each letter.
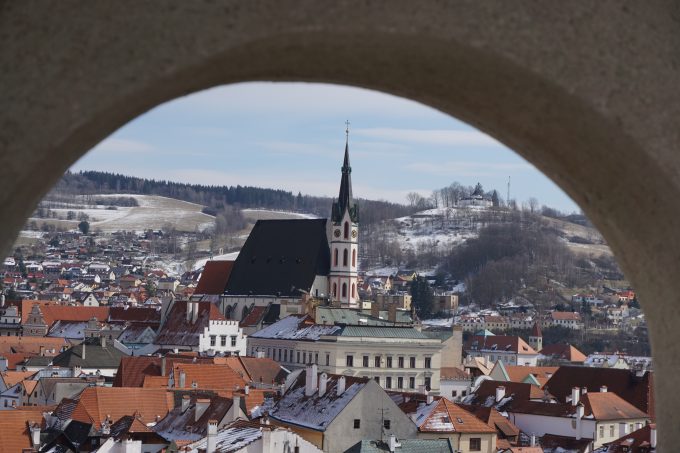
x: 422, y: 297
x: 494, y: 199
x: 84, y: 226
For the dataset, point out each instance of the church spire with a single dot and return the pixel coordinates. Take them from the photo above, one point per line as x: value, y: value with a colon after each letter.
x: 345, y: 200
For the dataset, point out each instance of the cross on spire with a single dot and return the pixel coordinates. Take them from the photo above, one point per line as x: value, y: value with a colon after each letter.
x: 347, y: 130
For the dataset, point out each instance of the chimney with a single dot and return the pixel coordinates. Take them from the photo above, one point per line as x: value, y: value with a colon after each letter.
x: 375, y: 309
x: 246, y: 389
x: 340, y: 388
x: 603, y: 389
x: 392, y: 313
x: 212, y: 437
x: 235, y: 406
x: 652, y: 435
x: 128, y: 445
x: 574, y: 396
x: 182, y: 379
x: 186, y: 401
x: 311, y: 378
x: 622, y: 429
x: 579, y: 416
x: 393, y: 444
x: 267, y: 446
x: 323, y: 381
x: 500, y: 393
x: 202, y: 405
x: 102, y: 341
x: 35, y: 435
x: 584, y: 390
x: 82, y: 354
x: 430, y: 398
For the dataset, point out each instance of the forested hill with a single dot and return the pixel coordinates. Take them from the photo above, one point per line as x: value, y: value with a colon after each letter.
x: 217, y: 197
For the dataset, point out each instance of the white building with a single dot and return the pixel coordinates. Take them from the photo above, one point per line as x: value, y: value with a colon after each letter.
x: 511, y: 350
x: 395, y: 357
x: 222, y: 336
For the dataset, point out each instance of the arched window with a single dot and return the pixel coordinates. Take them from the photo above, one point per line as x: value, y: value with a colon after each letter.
x: 335, y: 289
x: 344, y: 257
x: 346, y: 230
x: 344, y: 290
x: 335, y: 257
x: 354, y: 291
x: 354, y: 258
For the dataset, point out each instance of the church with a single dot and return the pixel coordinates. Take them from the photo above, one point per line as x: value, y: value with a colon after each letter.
x: 286, y: 266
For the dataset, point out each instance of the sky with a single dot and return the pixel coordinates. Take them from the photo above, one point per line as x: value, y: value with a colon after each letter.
x: 292, y: 136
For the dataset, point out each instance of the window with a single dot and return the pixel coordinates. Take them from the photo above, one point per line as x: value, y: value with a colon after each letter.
x: 344, y: 290
x: 475, y: 444
x: 400, y: 382
x: 304, y: 357
x: 601, y: 431
x: 233, y: 344
x: 298, y: 357
x: 377, y: 379
x: 335, y: 289
x: 611, y: 430
x: 335, y: 257
x: 387, y: 424
x: 223, y: 340
x: 316, y: 358
x: 357, y: 423
x: 350, y: 360
x: 400, y: 362
x: 346, y: 235
x: 354, y: 290
x: 428, y: 381
x: 328, y: 359
x: 412, y: 382
x: 213, y: 340
x: 377, y: 362
x: 365, y: 361
x: 412, y: 361
x: 389, y: 361
x: 428, y: 362
x: 454, y: 392
x: 388, y: 382
x: 344, y: 257
x: 285, y: 355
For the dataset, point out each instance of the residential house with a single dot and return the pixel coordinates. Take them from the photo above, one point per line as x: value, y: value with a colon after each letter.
x: 92, y: 356
x: 335, y: 412
x: 601, y: 416
x: 510, y: 349
x: 394, y: 445
x: 561, y: 354
x: 442, y: 419
x: 535, y: 375
x: 570, y: 320
x: 643, y: 440
x: 242, y: 436
x: 454, y: 383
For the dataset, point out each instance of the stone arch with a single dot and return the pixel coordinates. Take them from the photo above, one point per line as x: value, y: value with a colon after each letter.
x: 574, y: 88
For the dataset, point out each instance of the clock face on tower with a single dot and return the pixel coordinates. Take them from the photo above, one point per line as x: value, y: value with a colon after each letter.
x: 337, y: 233
x: 354, y: 233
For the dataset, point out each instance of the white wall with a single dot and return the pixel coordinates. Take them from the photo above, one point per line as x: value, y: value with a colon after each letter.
x: 221, y: 329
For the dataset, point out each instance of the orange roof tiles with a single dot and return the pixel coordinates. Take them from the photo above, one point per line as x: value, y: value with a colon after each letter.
x: 14, y: 431
x: 214, y: 277
x: 610, y: 406
x: 53, y: 312
x: 453, y: 373
x: 448, y: 417
x: 518, y: 373
x: 98, y: 403
x: 564, y: 351
x: 208, y: 376
x: 14, y: 377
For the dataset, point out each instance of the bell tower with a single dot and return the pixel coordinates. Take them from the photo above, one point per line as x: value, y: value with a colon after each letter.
x: 343, y: 278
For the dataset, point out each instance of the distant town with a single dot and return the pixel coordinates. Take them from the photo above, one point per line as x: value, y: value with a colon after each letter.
x: 138, y: 322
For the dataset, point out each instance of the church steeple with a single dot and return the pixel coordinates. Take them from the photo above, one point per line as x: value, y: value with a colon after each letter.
x: 345, y: 201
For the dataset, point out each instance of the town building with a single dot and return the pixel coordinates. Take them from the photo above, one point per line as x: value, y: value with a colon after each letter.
x: 510, y: 349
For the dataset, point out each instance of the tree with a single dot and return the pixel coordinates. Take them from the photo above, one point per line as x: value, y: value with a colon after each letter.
x: 414, y: 198
x: 533, y: 205
x: 422, y: 297
x: 84, y: 226
x: 494, y: 199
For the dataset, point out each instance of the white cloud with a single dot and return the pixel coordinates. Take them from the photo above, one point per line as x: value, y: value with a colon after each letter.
x: 430, y: 136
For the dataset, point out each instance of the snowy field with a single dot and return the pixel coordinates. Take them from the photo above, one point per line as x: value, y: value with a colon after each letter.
x: 153, y: 212
x: 267, y: 214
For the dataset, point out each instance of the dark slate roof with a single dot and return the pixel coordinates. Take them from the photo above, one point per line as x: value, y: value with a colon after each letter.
x: 96, y: 355
x: 281, y: 257
x: 345, y: 201
x: 178, y: 331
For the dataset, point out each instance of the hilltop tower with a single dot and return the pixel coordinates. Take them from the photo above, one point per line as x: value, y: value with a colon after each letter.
x: 343, y: 277
x: 536, y: 337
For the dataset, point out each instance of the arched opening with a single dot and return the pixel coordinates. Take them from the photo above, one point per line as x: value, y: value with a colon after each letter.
x: 335, y: 290
x: 344, y: 257
x: 346, y: 234
x: 354, y: 258
x: 335, y: 257
x: 566, y: 121
x: 354, y: 292
x: 344, y: 290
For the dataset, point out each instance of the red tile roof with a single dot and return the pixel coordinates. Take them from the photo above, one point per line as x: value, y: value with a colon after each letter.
x: 564, y: 351
x: 566, y: 316
x: 447, y: 417
x: 177, y: 331
x: 518, y: 373
x: 254, y: 317
x: 499, y: 343
x: 214, y: 277
x: 14, y: 432
x: 53, y: 312
x: 98, y: 403
x: 208, y: 376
